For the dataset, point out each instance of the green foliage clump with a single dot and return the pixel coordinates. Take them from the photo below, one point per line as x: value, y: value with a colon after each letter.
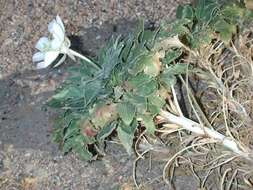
x: 119, y: 96
x: 135, y: 73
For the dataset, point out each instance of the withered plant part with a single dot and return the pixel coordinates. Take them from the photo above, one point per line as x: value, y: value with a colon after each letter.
x: 227, y: 73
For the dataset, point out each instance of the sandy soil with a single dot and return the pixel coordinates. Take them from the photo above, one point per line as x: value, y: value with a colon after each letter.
x: 28, y: 158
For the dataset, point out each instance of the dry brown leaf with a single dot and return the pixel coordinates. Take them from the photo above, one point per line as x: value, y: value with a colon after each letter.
x: 249, y: 4
x: 87, y: 128
x: 104, y: 114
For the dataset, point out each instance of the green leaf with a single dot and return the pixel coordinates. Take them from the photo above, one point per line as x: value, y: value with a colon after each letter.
x: 91, y: 91
x: 156, y: 100
x: 78, y: 145
x: 74, y: 95
x: 129, y: 43
x: 62, y: 94
x: 147, y: 89
x: 148, y: 122
x: 126, y: 135
x: 171, y: 56
x: 126, y: 112
x: 83, y: 154
x: 168, y: 80
x: 109, y: 56
x: 82, y: 71
x: 80, y: 149
x: 71, y: 130
x: 54, y: 103
x: 136, y: 48
x: 149, y: 37
x: 139, y: 80
x: 138, y: 101
x: 168, y: 76
x: 225, y: 30
x: 143, y: 85
x: 85, y: 140
x: 140, y: 64
x: 155, y: 104
x: 206, y: 10
x: 106, y: 131
x: 202, y: 37
x: 180, y: 27
x: 68, y: 144
x: 176, y: 69
x: 233, y: 13
x: 185, y: 11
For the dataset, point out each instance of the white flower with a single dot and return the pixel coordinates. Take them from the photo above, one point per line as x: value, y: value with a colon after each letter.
x: 50, y: 48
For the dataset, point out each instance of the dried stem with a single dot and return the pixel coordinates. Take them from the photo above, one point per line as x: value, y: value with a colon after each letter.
x: 203, y: 131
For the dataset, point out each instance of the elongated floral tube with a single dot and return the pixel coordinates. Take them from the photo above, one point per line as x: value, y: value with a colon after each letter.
x: 84, y: 58
x: 201, y: 130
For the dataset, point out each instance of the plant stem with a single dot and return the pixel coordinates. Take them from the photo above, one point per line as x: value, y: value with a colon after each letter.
x: 84, y: 58
x: 204, y: 131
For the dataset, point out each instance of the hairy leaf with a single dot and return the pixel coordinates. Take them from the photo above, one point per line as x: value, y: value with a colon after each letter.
x: 147, y: 88
x: 106, y: 131
x: 126, y: 135
x: 171, y: 56
x: 206, y: 10
x: 155, y: 104
x: 185, y: 12
x: 225, y: 30
x: 139, y: 102
x: 148, y: 122
x: 126, y: 112
x: 80, y: 148
x: 139, y: 80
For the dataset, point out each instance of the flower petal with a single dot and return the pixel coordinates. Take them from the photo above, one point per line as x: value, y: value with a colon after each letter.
x: 42, y: 43
x: 39, y: 56
x: 59, y: 21
x: 56, y: 30
x: 56, y: 44
x: 50, y: 56
x: 41, y: 65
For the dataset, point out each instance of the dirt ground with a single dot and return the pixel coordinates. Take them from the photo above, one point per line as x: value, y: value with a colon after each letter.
x: 28, y: 158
